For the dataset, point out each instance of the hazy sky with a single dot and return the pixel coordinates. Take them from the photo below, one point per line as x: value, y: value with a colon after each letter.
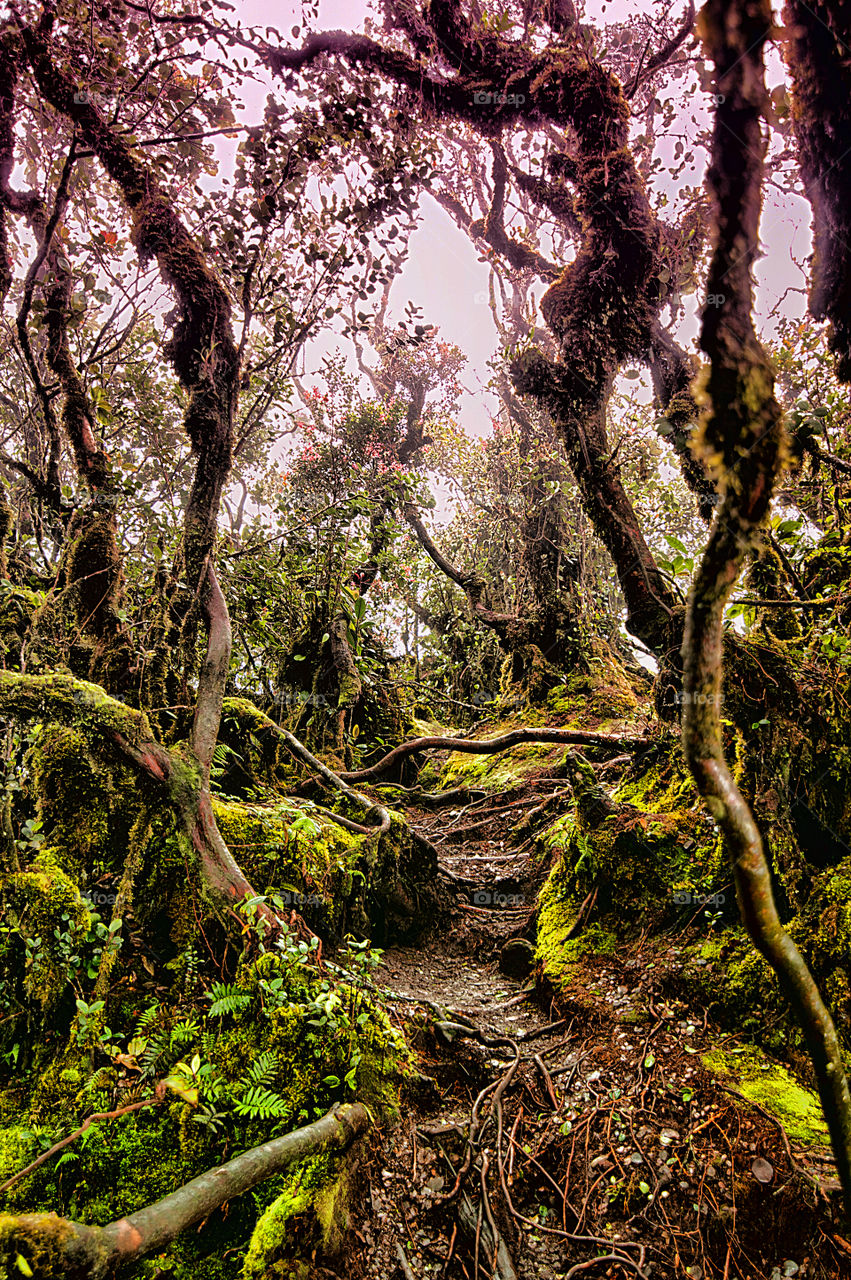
x: 443, y: 276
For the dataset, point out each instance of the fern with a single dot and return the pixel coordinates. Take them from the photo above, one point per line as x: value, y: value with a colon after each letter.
x: 184, y: 1032
x: 153, y: 1051
x: 260, y: 1104
x: 263, y: 1071
x: 146, y: 1020
x: 209, y: 1042
x: 99, y: 1079
x: 227, y: 999
x: 134, y: 1093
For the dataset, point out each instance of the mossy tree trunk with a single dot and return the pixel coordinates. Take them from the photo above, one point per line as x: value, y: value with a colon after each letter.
x: 743, y: 443
x: 205, y: 358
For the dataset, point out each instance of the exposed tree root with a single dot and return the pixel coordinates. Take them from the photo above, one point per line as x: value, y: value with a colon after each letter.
x: 485, y: 746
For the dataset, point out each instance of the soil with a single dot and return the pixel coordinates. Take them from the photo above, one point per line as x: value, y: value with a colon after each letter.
x: 601, y: 1146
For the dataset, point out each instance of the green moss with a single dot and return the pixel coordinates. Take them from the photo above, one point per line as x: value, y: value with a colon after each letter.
x: 63, y: 699
x: 16, y: 1147
x: 772, y: 1086
x: 637, y: 858
x: 500, y: 771
x: 86, y: 805
x: 601, y: 694
x: 292, y: 846
x: 136, y: 1159
x: 36, y: 901
x: 42, y: 1243
x: 304, y: 1183
x: 661, y: 783
x: 557, y: 952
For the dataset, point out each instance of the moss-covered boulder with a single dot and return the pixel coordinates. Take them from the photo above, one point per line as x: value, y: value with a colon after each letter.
x: 640, y: 849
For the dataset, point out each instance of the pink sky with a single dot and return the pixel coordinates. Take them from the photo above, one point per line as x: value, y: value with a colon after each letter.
x: 443, y: 275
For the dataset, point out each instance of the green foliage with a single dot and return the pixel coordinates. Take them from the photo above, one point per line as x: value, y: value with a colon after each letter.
x: 227, y: 999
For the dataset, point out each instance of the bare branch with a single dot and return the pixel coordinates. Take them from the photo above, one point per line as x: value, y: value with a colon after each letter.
x: 487, y: 746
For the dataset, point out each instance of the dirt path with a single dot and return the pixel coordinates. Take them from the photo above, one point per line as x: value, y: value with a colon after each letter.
x: 551, y: 1139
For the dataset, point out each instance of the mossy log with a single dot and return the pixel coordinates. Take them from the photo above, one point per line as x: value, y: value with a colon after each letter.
x: 53, y: 1247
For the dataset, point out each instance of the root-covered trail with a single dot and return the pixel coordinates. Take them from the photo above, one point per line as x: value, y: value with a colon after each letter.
x: 579, y: 1132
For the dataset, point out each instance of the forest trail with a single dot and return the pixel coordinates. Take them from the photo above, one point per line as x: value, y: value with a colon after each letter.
x: 558, y: 1136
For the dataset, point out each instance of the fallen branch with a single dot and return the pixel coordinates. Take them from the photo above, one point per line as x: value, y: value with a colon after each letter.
x: 487, y: 746
x: 56, y: 1247
x: 72, y: 1137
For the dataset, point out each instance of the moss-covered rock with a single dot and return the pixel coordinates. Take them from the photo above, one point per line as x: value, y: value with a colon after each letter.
x: 771, y: 1086
x: 284, y: 1044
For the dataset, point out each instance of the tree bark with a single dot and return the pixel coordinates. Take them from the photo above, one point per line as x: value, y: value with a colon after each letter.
x: 742, y: 439
x: 59, y: 1248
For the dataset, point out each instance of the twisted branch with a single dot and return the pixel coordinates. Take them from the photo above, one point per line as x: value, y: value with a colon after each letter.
x: 742, y: 439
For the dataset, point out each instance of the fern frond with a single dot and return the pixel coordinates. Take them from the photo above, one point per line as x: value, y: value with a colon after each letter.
x: 263, y: 1071
x: 260, y: 1104
x: 146, y: 1020
x: 152, y: 1053
x: 99, y: 1079
x: 227, y: 998
x: 184, y: 1032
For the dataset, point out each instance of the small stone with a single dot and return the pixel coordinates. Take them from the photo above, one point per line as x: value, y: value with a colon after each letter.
x: 762, y: 1170
x: 517, y: 958
x: 436, y: 1183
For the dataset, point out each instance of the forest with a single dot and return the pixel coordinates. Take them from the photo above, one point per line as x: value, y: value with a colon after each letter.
x: 425, y: 639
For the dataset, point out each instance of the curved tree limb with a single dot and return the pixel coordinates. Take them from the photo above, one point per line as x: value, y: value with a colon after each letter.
x: 742, y: 438
x: 94, y: 1253
x: 298, y: 749
x: 512, y: 631
x: 492, y: 229
x: 665, y: 53
x: 488, y: 746
x: 211, y: 681
x: 673, y: 370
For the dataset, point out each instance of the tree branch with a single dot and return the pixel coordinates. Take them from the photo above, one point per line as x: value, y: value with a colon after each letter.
x: 488, y: 746
x: 72, y: 1249
x: 742, y: 436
